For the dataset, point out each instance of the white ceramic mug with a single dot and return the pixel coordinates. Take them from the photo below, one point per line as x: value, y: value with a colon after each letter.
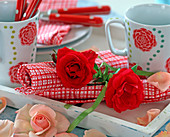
x: 17, y: 43
x: 147, y: 34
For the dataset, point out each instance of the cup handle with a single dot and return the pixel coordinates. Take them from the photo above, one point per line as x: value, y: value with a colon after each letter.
x: 108, y: 37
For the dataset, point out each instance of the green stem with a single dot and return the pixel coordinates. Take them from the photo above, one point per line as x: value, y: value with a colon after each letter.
x: 138, y: 72
x: 89, y: 110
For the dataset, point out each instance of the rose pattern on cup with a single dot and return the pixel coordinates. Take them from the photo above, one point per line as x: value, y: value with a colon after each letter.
x: 144, y: 39
x: 167, y: 66
x: 13, y: 72
x: 28, y: 33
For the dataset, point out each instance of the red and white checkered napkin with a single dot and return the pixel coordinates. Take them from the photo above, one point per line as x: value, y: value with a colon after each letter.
x: 41, y: 79
x: 51, y: 33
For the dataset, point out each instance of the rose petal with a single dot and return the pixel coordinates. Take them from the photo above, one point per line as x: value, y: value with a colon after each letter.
x: 23, y: 113
x: 93, y: 133
x: 6, y: 128
x: 151, y: 114
x: 22, y: 126
x: 22, y: 120
x: 161, y: 80
x: 66, y: 135
x: 51, y: 132
x: 43, y: 109
x: 3, y: 105
x: 168, y: 127
x: 62, y: 124
x: 31, y: 134
x: 41, y: 125
x: 163, y: 134
x: 21, y: 135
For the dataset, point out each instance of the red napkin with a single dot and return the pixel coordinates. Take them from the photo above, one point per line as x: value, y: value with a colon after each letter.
x: 41, y: 79
x: 51, y: 33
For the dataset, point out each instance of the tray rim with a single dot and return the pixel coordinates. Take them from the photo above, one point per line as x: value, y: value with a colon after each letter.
x: 74, y: 111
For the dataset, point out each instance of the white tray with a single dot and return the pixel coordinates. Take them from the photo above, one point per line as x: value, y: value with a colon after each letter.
x: 107, y: 124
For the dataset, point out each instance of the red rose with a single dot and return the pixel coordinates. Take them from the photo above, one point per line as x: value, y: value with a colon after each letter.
x: 75, y: 69
x: 168, y: 65
x: 124, y: 91
x: 144, y: 39
x: 13, y: 72
x: 27, y: 34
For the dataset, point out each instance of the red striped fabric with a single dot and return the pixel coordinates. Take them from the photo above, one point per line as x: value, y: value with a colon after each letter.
x: 41, y: 79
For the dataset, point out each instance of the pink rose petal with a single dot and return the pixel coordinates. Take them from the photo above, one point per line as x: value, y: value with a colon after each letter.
x: 163, y: 134
x: 22, y: 120
x: 161, y: 80
x: 31, y: 134
x: 43, y: 109
x: 51, y: 131
x: 6, y: 128
x: 21, y: 135
x: 168, y: 127
x: 3, y: 105
x: 48, y: 114
x: 23, y: 113
x: 151, y: 114
x: 40, y: 123
x: 22, y: 126
x: 93, y: 133
x: 66, y: 135
x: 63, y: 123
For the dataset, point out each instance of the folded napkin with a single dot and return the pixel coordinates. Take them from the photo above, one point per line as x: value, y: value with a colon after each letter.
x: 41, y: 79
x: 51, y: 33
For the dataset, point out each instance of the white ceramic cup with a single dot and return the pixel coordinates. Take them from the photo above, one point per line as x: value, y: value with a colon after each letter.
x: 147, y: 35
x: 17, y: 42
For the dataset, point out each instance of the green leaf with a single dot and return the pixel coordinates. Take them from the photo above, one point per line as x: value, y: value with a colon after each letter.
x: 89, y: 110
x: 117, y: 70
x: 102, y: 64
x: 100, y: 57
x: 67, y: 106
x: 144, y: 73
x: 134, y: 68
x: 110, y: 76
x: 100, y: 73
x: 105, y: 74
x: 99, y: 80
x: 96, y: 75
x: 95, y: 66
x: 72, y: 49
x: 97, y: 72
x: 110, y: 67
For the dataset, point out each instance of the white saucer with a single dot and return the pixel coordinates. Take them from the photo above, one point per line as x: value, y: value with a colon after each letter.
x: 49, y: 50
x: 75, y: 33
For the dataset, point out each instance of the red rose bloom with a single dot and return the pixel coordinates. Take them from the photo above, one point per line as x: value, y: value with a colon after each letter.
x: 13, y: 72
x: 144, y: 39
x: 27, y: 34
x: 75, y: 69
x: 168, y: 65
x: 124, y: 91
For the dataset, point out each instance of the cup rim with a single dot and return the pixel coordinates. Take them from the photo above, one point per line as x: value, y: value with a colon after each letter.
x: 147, y: 4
